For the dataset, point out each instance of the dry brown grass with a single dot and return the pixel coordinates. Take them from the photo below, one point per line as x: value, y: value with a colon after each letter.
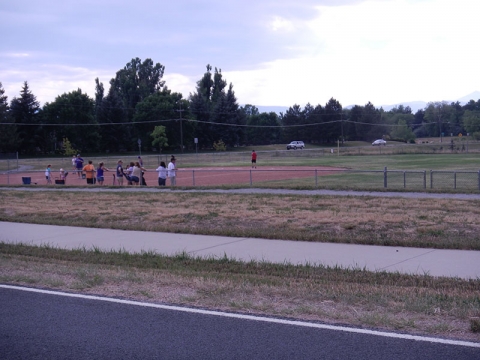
x: 437, y: 223
x: 420, y: 305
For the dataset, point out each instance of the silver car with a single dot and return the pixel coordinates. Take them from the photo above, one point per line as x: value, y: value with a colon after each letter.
x: 295, y: 145
x: 379, y: 142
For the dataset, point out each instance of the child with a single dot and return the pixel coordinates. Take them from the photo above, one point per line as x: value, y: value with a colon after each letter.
x: 100, y: 170
x: 63, y: 174
x: 48, y: 174
x: 162, y: 174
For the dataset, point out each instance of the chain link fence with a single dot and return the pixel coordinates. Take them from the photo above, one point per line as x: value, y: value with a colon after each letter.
x: 288, y: 177
x: 12, y: 171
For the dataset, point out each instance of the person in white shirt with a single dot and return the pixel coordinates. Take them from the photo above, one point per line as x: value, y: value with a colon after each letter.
x: 172, y: 172
x: 129, y: 172
x: 74, y: 163
x: 162, y: 174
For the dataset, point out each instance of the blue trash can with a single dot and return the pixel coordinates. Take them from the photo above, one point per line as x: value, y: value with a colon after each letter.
x: 26, y: 180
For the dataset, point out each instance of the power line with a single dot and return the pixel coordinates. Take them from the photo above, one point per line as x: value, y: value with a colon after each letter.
x: 226, y: 124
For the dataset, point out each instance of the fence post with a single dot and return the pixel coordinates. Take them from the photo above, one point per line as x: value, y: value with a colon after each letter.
x: 316, y: 178
x: 251, y: 178
x: 455, y: 180
x: 478, y: 179
x: 424, y: 179
x: 385, y: 177
x: 193, y: 177
x: 431, y: 179
x: 404, y: 180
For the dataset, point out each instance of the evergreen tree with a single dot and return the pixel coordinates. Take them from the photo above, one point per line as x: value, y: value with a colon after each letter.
x: 333, y: 121
x: 292, y: 121
x: 112, y: 118
x: 211, y: 104
x: 24, y: 112
x: 8, y: 133
x: 314, y: 115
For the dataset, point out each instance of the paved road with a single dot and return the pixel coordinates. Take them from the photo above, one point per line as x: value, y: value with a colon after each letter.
x: 46, y: 326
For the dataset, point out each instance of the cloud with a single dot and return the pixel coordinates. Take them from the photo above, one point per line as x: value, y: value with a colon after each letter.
x: 378, y: 51
x: 275, y: 52
x: 49, y: 81
x: 280, y: 24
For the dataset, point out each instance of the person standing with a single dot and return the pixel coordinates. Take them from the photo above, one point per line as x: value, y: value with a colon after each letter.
x: 89, y: 172
x: 129, y: 173
x: 136, y: 176
x: 172, y: 172
x: 74, y: 163
x: 254, y: 159
x: 100, y: 173
x: 79, y: 165
x: 162, y: 174
x: 48, y: 174
x: 120, y: 172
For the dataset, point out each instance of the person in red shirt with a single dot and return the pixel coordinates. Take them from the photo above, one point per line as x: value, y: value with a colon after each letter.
x: 254, y: 159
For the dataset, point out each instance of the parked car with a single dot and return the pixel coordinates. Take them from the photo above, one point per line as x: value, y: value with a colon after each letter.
x: 295, y: 145
x: 379, y: 142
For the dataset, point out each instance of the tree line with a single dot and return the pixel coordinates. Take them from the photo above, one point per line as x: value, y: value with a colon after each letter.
x: 139, y: 112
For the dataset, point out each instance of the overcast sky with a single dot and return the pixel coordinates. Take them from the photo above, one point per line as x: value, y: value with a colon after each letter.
x: 275, y: 52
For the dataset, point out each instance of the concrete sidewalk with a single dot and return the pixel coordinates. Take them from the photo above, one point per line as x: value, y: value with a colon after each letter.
x: 450, y: 263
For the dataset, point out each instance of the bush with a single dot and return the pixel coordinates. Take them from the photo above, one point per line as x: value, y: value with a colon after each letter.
x: 219, y: 146
x: 68, y: 149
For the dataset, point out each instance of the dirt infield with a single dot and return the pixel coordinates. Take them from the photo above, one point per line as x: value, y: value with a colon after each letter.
x: 187, y: 177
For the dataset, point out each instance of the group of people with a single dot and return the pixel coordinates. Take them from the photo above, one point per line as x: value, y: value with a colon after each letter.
x: 48, y: 174
x: 88, y: 171
x: 134, y: 173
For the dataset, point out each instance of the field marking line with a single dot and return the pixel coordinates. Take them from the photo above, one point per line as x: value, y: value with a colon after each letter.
x: 250, y: 317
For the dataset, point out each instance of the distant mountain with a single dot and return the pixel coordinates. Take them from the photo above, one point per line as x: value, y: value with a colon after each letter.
x: 414, y: 105
x: 417, y: 105
x: 473, y: 96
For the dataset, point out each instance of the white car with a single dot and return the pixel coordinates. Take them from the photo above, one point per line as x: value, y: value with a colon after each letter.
x: 295, y: 145
x: 379, y: 142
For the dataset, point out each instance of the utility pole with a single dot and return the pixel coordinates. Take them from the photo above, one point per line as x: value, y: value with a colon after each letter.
x: 181, y: 127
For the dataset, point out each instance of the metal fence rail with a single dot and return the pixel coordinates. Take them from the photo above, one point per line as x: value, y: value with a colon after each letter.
x: 272, y: 178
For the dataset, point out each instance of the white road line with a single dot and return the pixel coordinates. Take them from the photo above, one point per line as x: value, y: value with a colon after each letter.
x: 251, y: 317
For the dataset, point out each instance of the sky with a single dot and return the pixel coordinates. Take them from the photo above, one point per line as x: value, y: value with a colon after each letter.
x: 274, y: 52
